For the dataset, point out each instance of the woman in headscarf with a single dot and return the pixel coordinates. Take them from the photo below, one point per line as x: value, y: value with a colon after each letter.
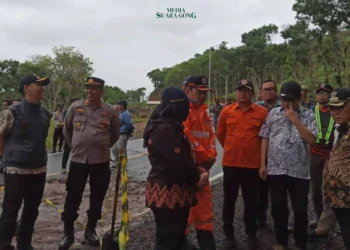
x: 171, y: 183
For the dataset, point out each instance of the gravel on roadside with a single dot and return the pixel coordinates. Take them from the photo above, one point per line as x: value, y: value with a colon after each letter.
x: 142, y: 229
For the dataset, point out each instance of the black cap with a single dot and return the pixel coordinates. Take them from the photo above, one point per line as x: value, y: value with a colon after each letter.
x: 339, y: 97
x: 186, y: 80
x: 324, y: 87
x: 245, y: 84
x: 173, y: 95
x: 94, y: 81
x: 290, y: 91
x: 32, y: 78
x: 198, y: 82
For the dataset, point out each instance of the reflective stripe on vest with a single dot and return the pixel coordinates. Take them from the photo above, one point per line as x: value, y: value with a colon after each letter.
x: 319, y: 127
x: 200, y: 134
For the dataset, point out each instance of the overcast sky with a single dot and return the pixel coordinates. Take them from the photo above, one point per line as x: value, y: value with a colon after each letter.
x: 124, y: 39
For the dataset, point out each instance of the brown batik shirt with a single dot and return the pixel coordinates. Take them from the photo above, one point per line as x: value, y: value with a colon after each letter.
x: 336, y: 184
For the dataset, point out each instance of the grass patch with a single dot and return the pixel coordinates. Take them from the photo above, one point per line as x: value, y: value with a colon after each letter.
x: 139, y: 120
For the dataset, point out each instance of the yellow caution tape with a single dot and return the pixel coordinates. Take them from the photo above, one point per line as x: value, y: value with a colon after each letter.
x: 50, y: 203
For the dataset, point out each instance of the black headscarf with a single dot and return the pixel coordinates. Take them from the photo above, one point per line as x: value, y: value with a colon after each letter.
x: 173, y: 109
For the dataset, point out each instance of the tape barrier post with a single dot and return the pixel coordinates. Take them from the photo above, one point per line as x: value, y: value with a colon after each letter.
x: 123, y: 236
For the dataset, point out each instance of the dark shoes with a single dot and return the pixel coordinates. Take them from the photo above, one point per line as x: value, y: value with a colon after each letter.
x: 68, y: 237
x: 229, y: 241
x: 90, y: 233
x: 314, y: 237
x: 253, y: 242
x: 206, y: 240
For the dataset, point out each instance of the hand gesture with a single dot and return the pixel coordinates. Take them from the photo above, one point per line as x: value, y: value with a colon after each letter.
x: 209, y: 163
x: 291, y: 114
x: 263, y: 172
x: 204, y: 179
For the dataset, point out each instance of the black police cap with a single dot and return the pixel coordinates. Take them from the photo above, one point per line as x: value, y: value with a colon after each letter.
x: 340, y: 97
x: 95, y: 81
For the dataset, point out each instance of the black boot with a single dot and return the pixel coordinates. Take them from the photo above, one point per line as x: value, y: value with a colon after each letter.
x: 206, y: 240
x: 68, y: 237
x: 229, y: 241
x: 90, y: 233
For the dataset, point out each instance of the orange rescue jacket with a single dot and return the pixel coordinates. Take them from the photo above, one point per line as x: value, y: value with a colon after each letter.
x: 198, y: 129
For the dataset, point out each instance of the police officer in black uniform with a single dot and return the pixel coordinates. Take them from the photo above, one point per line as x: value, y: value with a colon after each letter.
x: 23, y: 132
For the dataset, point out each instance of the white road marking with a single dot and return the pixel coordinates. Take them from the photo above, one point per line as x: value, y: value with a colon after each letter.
x: 131, y: 157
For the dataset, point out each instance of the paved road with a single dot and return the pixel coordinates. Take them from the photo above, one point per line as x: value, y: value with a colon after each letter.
x: 138, y: 164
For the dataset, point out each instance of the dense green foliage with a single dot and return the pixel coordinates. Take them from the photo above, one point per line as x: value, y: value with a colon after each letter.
x: 67, y: 69
x: 316, y: 49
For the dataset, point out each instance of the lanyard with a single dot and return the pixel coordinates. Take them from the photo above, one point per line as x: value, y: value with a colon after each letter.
x: 319, y: 127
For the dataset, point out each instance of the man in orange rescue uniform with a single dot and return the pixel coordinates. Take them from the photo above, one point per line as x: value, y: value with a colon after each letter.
x: 200, y: 133
x: 238, y: 133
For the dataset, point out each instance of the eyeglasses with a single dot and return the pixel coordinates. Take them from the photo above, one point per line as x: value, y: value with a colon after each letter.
x: 322, y: 93
x: 268, y: 90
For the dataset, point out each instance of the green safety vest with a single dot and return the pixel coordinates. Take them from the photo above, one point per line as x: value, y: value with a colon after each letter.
x: 319, y: 127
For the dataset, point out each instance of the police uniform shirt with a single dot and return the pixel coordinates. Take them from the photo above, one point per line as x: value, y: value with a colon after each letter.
x: 91, y: 131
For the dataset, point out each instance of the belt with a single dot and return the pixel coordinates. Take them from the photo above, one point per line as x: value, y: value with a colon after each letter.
x: 124, y: 133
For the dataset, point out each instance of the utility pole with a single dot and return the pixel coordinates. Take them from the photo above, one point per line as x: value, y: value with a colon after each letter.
x: 209, y: 77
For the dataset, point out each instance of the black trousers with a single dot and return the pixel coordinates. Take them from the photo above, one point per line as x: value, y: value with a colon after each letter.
x: 65, y: 156
x: 28, y: 189
x: 99, y: 178
x: 316, y: 171
x: 171, y: 226
x: 343, y: 217
x: 248, y: 179
x: 298, y: 190
x: 263, y: 199
x: 57, y: 137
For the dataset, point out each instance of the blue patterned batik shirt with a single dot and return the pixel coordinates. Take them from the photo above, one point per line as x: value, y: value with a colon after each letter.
x: 288, y: 153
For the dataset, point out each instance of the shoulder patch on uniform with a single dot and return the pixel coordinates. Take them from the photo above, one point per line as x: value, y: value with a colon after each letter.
x: 104, y: 113
x: 80, y: 110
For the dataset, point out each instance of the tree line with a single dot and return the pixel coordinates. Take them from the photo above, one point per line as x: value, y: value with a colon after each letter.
x: 68, y: 69
x: 316, y: 49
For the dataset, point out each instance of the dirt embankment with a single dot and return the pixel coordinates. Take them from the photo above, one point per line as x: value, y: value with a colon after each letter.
x: 48, y: 228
